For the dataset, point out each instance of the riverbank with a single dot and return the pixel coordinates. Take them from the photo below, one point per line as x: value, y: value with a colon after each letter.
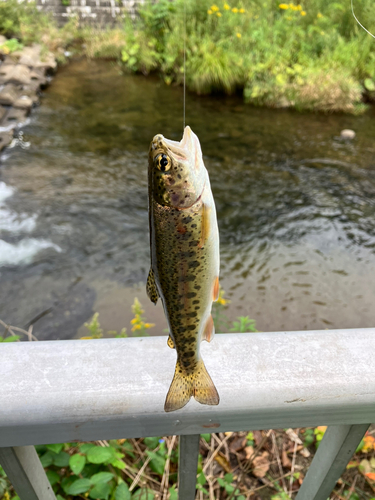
x: 22, y: 75
x: 313, y: 57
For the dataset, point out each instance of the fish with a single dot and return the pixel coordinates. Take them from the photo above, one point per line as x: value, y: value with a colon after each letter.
x: 185, y: 260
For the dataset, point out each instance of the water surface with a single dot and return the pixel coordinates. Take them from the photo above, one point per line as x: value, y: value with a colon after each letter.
x: 296, y: 207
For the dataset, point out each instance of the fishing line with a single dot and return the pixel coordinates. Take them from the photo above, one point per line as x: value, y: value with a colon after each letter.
x: 355, y: 17
x: 184, y: 112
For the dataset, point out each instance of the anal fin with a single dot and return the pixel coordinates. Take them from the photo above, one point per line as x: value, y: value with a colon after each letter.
x: 151, y: 289
x: 170, y: 342
x: 209, y: 329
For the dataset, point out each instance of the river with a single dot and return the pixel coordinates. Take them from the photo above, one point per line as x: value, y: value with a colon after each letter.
x: 295, y: 203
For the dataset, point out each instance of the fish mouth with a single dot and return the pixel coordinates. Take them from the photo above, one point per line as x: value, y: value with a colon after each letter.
x: 185, y: 148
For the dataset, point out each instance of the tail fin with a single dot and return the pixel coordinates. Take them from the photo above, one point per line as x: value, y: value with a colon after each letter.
x: 197, y: 384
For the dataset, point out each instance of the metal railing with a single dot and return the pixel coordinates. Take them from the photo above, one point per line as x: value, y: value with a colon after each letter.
x: 79, y: 390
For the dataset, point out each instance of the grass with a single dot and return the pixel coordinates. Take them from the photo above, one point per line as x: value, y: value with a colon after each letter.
x: 312, y: 57
x: 308, y: 55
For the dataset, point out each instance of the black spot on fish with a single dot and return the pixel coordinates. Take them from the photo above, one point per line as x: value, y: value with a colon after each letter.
x: 193, y: 264
x: 191, y: 295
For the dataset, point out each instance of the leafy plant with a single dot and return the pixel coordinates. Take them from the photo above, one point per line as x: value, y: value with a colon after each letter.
x: 140, y: 326
x: 11, y: 46
x: 96, y: 332
x: 244, y: 324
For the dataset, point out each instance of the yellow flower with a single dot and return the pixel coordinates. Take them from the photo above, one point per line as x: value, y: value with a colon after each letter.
x: 226, y: 6
x: 242, y: 10
x: 218, y: 14
x: 136, y: 327
x: 235, y: 10
x: 134, y: 320
x: 291, y: 6
x: 149, y: 325
x: 221, y: 301
x: 214, y: 8
x: 319, y: 15
x: 299, y: 7
x: 209, y: 12
x: 283, y: 6
x: 303, y: 13
x: 238, y: 35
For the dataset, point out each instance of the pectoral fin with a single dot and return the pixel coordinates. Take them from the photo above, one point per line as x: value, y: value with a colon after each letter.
x: 171, y: 343
x: 151, y: 289
x: 209, y: 329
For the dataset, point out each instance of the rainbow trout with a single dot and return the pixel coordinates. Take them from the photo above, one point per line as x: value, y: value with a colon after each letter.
x: 185, y: 260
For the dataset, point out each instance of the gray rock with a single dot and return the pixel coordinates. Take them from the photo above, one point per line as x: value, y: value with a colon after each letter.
x: 37, y: 76
x: 47, y: 61
x: 29, y: 56
x: 23, y: 102
x: 3, y: 112
x: 347, y: 134
x: 14, y: 118
x: 14, y: 73
x: 5, y: 139
x: 9, y: 94
x: 31, y: 91
x: 33, y: 57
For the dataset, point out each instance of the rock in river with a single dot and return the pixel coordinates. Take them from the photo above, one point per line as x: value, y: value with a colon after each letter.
x: 347, y: 133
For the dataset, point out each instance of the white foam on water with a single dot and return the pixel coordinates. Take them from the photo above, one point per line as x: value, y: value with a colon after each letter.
x: 16, y: 223
x: 11, y: 221
x: 24, y: 251
x: 5, y: 191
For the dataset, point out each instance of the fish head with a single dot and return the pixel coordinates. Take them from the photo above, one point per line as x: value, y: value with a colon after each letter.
x: 176, y: 169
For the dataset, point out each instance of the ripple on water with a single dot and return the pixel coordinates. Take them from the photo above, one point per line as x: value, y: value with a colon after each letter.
x: 295, y: 205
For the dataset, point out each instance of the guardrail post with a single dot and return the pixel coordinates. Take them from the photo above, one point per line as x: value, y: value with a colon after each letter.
x: 24, y: 470
x: 334, y: 452
x: 187, y: 466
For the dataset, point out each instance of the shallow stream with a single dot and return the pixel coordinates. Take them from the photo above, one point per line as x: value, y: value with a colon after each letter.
x: 296, y: 207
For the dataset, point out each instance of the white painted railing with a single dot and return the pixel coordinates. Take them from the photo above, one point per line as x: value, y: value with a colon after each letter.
x: 85, y: 390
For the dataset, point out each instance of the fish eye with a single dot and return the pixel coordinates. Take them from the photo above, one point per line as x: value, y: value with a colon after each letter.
x: 163, y: 162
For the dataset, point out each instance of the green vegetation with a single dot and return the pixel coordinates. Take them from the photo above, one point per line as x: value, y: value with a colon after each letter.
x: 310, y: 56
x: 140, y: 469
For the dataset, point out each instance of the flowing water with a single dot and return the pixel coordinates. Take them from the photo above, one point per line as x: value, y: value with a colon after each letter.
x: 296, y: 207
